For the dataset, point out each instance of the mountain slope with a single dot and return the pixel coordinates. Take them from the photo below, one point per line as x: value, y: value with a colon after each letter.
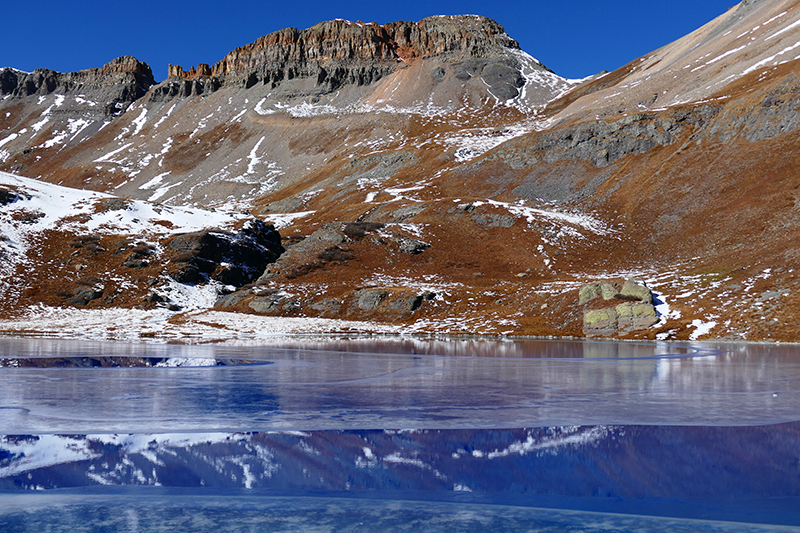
x: 435, y: 177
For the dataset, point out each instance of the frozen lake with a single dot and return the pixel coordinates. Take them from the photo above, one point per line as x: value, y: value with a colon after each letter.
x: 400, y: 434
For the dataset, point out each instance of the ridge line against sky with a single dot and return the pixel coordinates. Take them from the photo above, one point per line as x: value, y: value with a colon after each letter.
x: 574, y: 39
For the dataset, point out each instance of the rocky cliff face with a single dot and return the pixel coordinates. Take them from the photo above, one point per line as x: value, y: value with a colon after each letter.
x: 339, y: 53
x: 345, y: 41
x: 121, y: 81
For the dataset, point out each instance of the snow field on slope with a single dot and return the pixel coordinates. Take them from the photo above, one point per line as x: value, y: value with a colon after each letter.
x: 59, y: 206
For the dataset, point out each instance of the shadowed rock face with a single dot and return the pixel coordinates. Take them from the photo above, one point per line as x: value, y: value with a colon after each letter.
x: 232, y: 259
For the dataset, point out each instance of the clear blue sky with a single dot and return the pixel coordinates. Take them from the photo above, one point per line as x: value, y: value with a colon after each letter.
x: 575, y: 38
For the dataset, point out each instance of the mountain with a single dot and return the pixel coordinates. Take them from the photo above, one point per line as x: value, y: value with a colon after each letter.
x: 433, y: 177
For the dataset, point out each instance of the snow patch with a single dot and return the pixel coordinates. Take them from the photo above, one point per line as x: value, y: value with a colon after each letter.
x: 701, y: 328
x: 282, y: 220
x: 139, y: 122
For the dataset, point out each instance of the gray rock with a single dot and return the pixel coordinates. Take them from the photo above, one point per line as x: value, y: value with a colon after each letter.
x: 185, y: 273
x: 407, y: 213
x: 116, y: 85
x: 264, y: 305
x: 493, y: 220
x: 503, y: 80
x: 274, y: 303
x: 406, y: 304
x: 88, y: 293
x: 78, y: 300
x: 370, y: 299
x: 412, y: 246
x: 136, y: 263
x: 358, y: 230
x: 247, y: 253
x: 231, y: 299
x: 328, y: 306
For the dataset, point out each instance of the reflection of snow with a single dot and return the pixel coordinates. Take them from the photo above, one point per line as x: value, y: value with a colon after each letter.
x: 568, y: 436
x: 44, y: 451
x: 180, y: 362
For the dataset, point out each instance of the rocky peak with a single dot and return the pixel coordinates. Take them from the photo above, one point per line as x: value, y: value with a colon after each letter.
x: 125, y: 64
x: 345, y: 41
x: 122, y: 80
x: 471, y: 34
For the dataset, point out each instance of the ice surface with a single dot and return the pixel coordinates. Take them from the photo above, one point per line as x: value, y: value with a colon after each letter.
x: 531, y: 385
x: 315, y: 437
x: 157, y: 510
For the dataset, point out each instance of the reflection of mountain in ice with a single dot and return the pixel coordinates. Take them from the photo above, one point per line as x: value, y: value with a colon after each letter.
x: 522, y: 464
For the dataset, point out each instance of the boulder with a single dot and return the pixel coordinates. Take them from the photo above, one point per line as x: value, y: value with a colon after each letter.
x: 634, y: 316
x: 635, y: 289
x: 635, y: 312
x: 591, y: 291
x: 88, y: 294
x: 370, y: 299
x: 412, y: 246
x: 600, y: 321
x: 231, y: 258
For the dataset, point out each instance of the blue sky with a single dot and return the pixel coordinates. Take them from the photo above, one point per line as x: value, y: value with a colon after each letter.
x: 575, y: 38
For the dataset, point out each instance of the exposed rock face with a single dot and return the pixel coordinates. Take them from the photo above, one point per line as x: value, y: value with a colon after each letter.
x: 294, y: 52
x: 339, y: 53
x: 328, y: 249
x: 232, y: 259
x: 121, y: 81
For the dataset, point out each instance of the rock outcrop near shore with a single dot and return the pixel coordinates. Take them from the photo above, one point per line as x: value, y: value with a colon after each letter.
x: 616, y: 307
